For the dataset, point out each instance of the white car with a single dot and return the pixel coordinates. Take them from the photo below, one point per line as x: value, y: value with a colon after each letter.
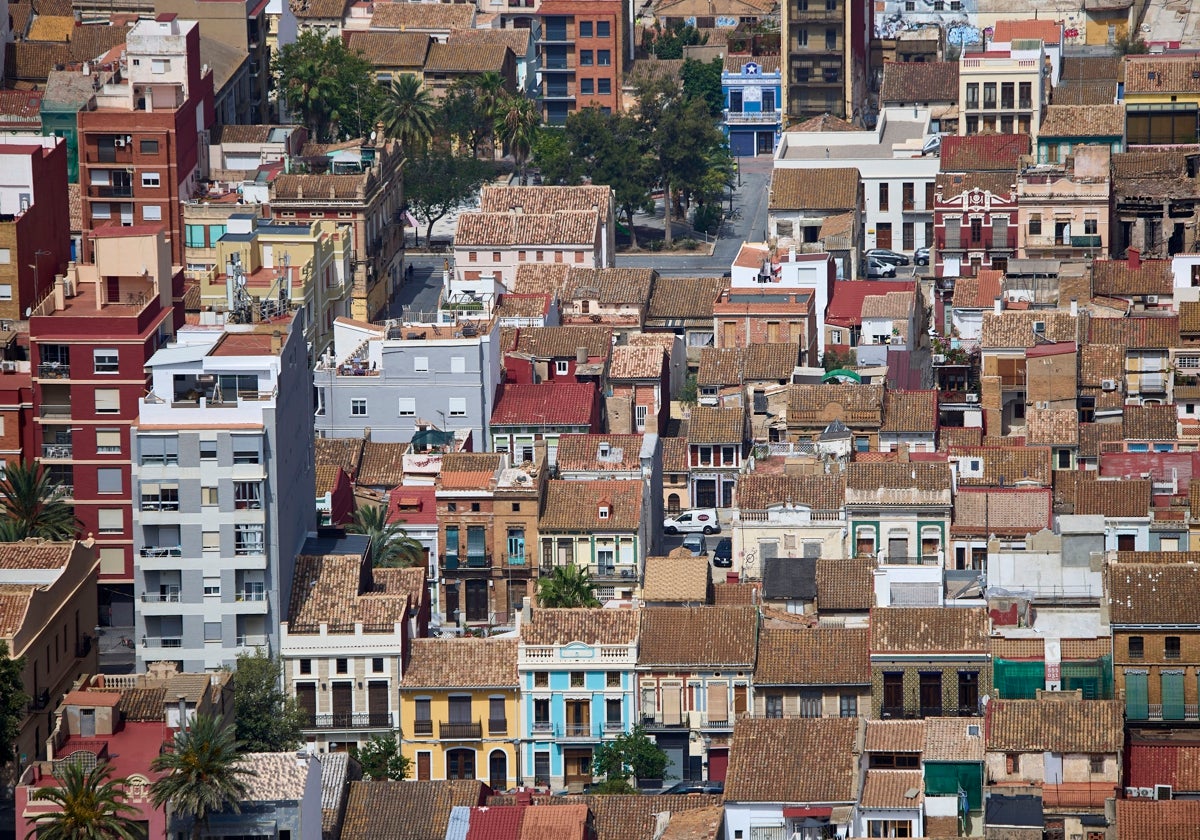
x: 702, y: 520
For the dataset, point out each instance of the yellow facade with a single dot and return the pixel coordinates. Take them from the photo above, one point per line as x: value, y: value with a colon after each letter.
x: 1106, y: 26
x: 439, y: 749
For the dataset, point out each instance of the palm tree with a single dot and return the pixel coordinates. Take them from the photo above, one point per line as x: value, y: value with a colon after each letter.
x: 489, y: 95
x: 391, y: 546
x: 91, y: 806
x: 31, y: 505
x: 567, y: 586
x: 517, y: 125
x: 203, y: 774
x: 408, y: 113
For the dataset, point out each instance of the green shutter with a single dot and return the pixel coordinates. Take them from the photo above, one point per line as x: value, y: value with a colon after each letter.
x: 1137, y: 704
x: 1172, y: 695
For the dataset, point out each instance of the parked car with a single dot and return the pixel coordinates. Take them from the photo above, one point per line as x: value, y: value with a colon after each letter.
x: 887, y: 255
x: 696, y: 544
x: 693, y: 787
x: 921, y: 257
x: 702, y: 520
x: 877, y: 269
x: 723, y: 555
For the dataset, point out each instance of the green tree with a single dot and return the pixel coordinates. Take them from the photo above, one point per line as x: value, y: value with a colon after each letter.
x: 267, y: 719
x: 91, y: 806
x: 469, y: 109
x: 702, y: 80
x: 689, y: 394
x: 203, y: 774
x: 408, y: 113
x: 31, y: 505
x: 330, y: 89
x: 552, y: 154
x: 391, y: 546
x: 381, y: 759
x: 13, y: 700
x: 669, y: 43
x: 567, y: 586
x: 833, y: 360
x: 631, y: 754
x: 610, y: 149
x: 438, y: 182
x: 516, y: 126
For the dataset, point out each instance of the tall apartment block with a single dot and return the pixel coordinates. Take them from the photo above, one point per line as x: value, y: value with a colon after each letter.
x: 35, y: 220
x: 826, y: 55
x: 143, y: 141
x: 584, y: 47
x: 223, y: 480
x: 89, y: 341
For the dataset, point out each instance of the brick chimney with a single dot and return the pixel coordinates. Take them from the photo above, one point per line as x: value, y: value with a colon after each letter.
x: 1134, y: 259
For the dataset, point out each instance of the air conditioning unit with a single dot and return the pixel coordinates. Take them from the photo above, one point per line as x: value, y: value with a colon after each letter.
x: 1042, y: 404
x: 119, y: 142
x: 972, y: 398
x: 939, y: 358
x: 8, y: 367
x: 1146, y: 792
x: 1152, y: 299
x: 1108, y: 384
x: 1131, y: 793
x: 1162, y: 791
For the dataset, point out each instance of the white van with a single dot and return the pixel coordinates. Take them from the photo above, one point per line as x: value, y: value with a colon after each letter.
x: 697, y: 520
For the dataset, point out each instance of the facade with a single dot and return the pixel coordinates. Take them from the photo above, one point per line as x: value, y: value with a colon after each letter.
x: 975, y: 222
x: 584, y: 47
x: 1068, y: 127
x: 576, y: 671
x: 1063, y: 209
x: 527, y: 414
x: 395, y: 379
x: 598, y: 526
x: 143, y: 139
x: 90, y: 340
x: 343, y: 644
x: 35, y: 234
x: 787, y: 516
x: 283, y: 796
x: 812, y: 672
x: 1002, y: 89
x: 1160, y: 98
x: 48, y: 603
x: 752, y: 87
x: 825, y: 58
x: 460, y: 703
x: 223, y: 475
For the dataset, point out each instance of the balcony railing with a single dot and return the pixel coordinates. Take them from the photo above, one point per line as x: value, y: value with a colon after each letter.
x: 911, y: 559
x: 56, y: 450
x: 751, y: 117
x: 55, y: 410
x: 627, y: 573
x: 251, y: 640
x: 460, y: 731
x: 161, y: 597
x: 350, y: 720
x: 54, y: 370
x: 250, y: 595
x: 162, y: 641
x: 159, y: 504
x: 658, y: 722
x: 478, y: 561
x: 109, y: 191
x: 543, y: 727
x: 161, y: 551
x: 578, y: 731
x: 497, y: 726
x: 450, y: 562
x: 423, y: 727
x: 614, y: 726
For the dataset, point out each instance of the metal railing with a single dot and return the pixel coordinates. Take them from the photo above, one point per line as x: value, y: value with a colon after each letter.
x: 250, y: 595
x: 751, y: 117
x: 350, y: 720
x: 54, y: 370
x: 161, y: 597
x: 497, y: 726
x: 162, y: 641
x: 578, y: 731
x: 161, y: 551
x: 56, y: 450
x: 460, y: 731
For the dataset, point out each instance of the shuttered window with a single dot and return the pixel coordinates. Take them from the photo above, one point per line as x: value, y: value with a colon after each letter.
x: 1172, y: 695
x: 718, y: 702
x: 672, y: 704
x: 1136, y: 702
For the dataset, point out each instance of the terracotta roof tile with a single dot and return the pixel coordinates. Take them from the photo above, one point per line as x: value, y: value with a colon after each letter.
x: 898, y: 476
x: 919, y: 82
x: 589, y: 626
x: 951, y: 739
x: 1007, y: 511
x: 1020, y: 648
x: 390, y: 49
x: 319, y: 188
x: 405, y: 810
x: 563, y: 342
x: 813, y: 656
x: 710, y: 424
x: 822, y: 123
x: 681, y: 580
x: 35, y: 554
x: 541, y: 279
x: 1098, y: 362
x: 517, y: 40
x: 814, y: 189
x: 983, y: 152
x: 1076, y: 649
x: 497, y: 199
x: 685, y: 298
x: 1004, y: 465
x: 1152, y: 593
x: 547, y: 404
x: 951, y: 184
x: 855, y: 405
x: 1089, y: 92
x: 611, y: 285
x: 332, y: 589
x: 891, y: 789
x: 928, y: 629
x: 1153, y: 557
x: 1151, y: 422
x: 1136, y: 332
x: 1189, y: 316
x: 382, y: 464
x: 274, y: 777
x: 1108, y: 68
x: 736, y: 594
x: 1083, y: 121
x: 699, y: 824
x: 562, y: 823
x: 633, y: 817
x: 766, y: 63
x: 1049, y: 32
x: 721, y: 637
x: 576, y: 505
x: 845, y: 585
x: 1122, y: 498
x: 892, y: 305
x: 143, y: 703
x: 895, y: 736
x: 760, y: 491
x: 1168, y: 819
x: 1056, y: 723
x: 979, y: 292
x: 564, y: 228
x: 809, y: 760
x: 951, y: 437
x: 33, y: 61
x: 344, y: 453
x: 1160, y: 75
x: 675, y: 455
x: 1117, y: 278
x: 428, y: 17
x: 910, y: 411
x: 1052, y: 427
x: 461, y: 663
x: 14, y: 604
x: 1014, y: 329
x: 719, y: 366
x: 466, y: 57
x: 583, y: 452
x: 636, y: 362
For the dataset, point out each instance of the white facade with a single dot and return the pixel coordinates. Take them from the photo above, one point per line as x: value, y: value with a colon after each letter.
x: 17, y: 187
x: 790, y: 271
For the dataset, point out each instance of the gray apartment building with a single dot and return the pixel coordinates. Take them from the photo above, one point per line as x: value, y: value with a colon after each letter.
x: 223, y: 483
x: 391, y: 378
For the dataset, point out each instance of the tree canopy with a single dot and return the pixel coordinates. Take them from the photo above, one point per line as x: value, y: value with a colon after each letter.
x: 702, y: 80
x: 12, y: 702
x: 328, y: 88
x: 630, y: 754
x: 440, y: 181
x: 267, y: 719
x: 391, y: 546
x: 31, y: 505
x: 91, y: 805
x: 382, y: 760
x: 669, y: 42
x: 567, y: 586
x: 203, y: 773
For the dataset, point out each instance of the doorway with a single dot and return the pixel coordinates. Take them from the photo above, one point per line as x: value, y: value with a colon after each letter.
x: 498, y: 771
x: 577, y: 766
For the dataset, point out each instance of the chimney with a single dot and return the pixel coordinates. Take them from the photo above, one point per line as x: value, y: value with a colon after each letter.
x: 1134, y: 259
x: 277, y: 342
x: 792, y: 253
x: 1074, y: 308
x: 998, y: 305
x: 902, y: 453
x: 524, y: 797
x: 182, y: 701
x: 581, y: 355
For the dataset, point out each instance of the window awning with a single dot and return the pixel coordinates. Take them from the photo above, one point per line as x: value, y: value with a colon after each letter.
x: 816, y: 813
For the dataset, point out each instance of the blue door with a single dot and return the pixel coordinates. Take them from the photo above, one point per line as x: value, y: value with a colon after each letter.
x: 741, y: 143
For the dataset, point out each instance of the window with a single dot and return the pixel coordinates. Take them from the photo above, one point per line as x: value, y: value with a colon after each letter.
x: 305, y: 666
x: 157, y: 496
x: 1171, y: 648
x: 604, y: 87
x: 212, y: 631
x: 245, y: 451
x: 810, y: 704
x: 458, y: 364
x: 209, y: 497
x: 603, y: 29
x: 1064, y: 459
x: 587, y: 86
x: 160, y: 65
x: 541, y: 679
x: 862, y: 443
x: 358, y: 407
x: 577, y: 679
x: 148, y: 147
x: 108, y: 480
x: 1096, y: 764
x: 150, y: 179
x: 585, y: 29
x: 472, y: 257
x: 343, y: 665
x: 1091, y: 227
x: 774, y: 706
x: 377, y: 665
x: 562, y: 367
x: 110, y: 521
x: 212, y: 589
x: 208, y: 450
x: 458, y: 406
x: 420, y: 364
x: 247, y: 495
x: 108, y: 401
x: 973, y: 95
x: 604, y: 58
x: 159, y: 449
x: 968, y: 692
x: 408, y: 407
x: 612, y: 679
x: 6, y: 291
x: 883, y: 196
x: 152, y: 213
x: 989, y: 95
x: 586, y: 58
x: 1035, y: 225
x: 108, y: 442
x: 495, y: 256
x: 247, y: 539
x: 848, y: 705
x: 211, y: 541
x: 1137, y: 647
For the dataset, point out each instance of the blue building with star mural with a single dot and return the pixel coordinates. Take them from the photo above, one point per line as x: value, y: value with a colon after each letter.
x: 753, y: 89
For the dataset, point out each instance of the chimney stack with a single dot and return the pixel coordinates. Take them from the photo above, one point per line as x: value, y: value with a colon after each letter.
x: 1074, y: 308
x: 581, y: 355
x: 1134, y: 257
x: 998, y: 305
x: 277, y: 342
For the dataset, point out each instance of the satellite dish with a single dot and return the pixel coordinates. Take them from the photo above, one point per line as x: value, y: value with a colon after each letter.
x: 28, y: 311
x: 372, y: 135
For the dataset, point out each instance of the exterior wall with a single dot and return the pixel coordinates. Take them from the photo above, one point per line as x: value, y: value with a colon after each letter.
x: 831, y: 699
x: 889, y: 210
x: 984, y: 252
x: 1106, y: 26
x: 1015, y: 68
x: 841, y: 92
x: 1154, y: 662
x: 498, y: 263
x: 516, y: 438
x: 34, y: 199
x: 562, y: 46
x: 16, y: 414
x: 626, y: 397
x: 742, y: 324
x: 949, y: 668
x: 300, y: 818
x: 565, y: 548
x: 1082, y: 203
x: 789, y: 531
x: 755, y: 124
x: 1031, y: 767
x: 493, y: 738
x: 687, y: 741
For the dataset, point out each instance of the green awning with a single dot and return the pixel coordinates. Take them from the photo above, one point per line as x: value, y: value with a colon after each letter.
x: 841, y: 373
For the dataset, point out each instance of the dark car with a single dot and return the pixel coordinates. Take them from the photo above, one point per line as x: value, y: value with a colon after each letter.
x: 888, y: 256
x: 723, y: 555
x: 921, y: 257
x: 693, y: 787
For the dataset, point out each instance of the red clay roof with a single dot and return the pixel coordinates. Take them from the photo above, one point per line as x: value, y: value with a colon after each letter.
x: 413, y: 504
x: 547, y: 404
x: 845, y: 306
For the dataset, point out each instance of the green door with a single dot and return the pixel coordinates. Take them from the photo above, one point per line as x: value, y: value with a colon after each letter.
x: 1137, y: 706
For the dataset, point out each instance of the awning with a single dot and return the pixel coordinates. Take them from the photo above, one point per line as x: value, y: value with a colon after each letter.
x: 816, y: 813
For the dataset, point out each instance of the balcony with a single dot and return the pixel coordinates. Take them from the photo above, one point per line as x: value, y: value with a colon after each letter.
x: 460, y: 731
x: 56, y: 451
x: 752, y: 117
x: 423, y: 727
x: 478, y: 561
x: 53, y: 370
x: 578, y: 732
x: 658, y: 722
x: 159, y: 504
x: 250, y: 595
x: 815, y: 15
x: 172, y: 597
x: 497, y: 726
x: 450, y: 562
x: 614, y: 726
x: 162, y: 642
x: 161, y: 551
x: 350, y: 720
x: 613, y: 573
x: 543, y: 727
x: 56, y: 410
x: 110, y: 191
x: 910, y: 560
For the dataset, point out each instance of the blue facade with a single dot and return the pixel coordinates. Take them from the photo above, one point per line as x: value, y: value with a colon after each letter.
x: 753, y: 95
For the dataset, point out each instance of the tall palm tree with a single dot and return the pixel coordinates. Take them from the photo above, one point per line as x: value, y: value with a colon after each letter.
x: 203, y: 774
x: 489, y: 95
x: 517, y: 122
x: 567, y: 586
x: 31, y: 505
x: 408, y: 113
x: 391, y: 546
x: 91, y: 806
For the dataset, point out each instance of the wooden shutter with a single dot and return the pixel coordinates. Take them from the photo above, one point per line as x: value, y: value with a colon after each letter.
x: 718, y: 702
x: 672, y: 704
